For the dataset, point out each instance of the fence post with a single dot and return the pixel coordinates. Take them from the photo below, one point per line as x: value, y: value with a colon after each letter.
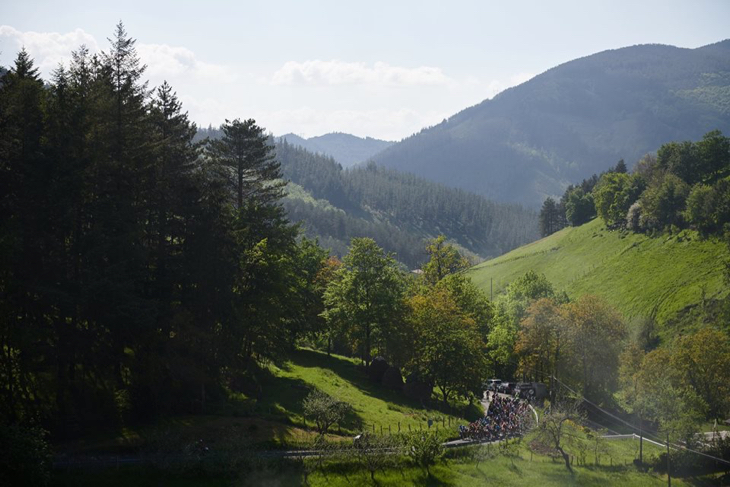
x: 373, y: 428
x: 381, y: 430
x: 398, y: 426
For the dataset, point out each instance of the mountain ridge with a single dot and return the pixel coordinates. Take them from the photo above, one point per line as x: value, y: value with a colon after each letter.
x: 573, y: 120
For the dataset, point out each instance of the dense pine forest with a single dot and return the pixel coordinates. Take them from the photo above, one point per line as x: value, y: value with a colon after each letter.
x: 398, y: 210
x: 130, y: 253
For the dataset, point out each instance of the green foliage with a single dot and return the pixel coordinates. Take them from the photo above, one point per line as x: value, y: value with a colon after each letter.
x: 614, y: 195
x: 708, y: 207
x: 579, y: 208
x: 324, y: 409
x: 529, y: 287
x: 447, y: 347
x: 444, y: 259
x: 551, y: 217
x: 470, y: 300
x: 424, y: 448
x: 138, y: 271
x: 663, y: 202
x: 365, y: 300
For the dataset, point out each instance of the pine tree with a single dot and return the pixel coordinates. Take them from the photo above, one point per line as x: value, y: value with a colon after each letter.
x: 247, y: 161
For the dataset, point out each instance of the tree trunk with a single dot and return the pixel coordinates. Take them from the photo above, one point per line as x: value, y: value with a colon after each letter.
x: 566, y: 458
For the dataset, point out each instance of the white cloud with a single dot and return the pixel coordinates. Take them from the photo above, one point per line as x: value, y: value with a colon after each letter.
x: 48, y: 49
x: 335, y: 72
x: 168, y: 62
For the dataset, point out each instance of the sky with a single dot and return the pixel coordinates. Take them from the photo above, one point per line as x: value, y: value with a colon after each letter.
x: 384, y: 69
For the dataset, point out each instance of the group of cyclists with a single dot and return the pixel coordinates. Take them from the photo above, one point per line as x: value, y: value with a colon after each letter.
x: 505, y: 417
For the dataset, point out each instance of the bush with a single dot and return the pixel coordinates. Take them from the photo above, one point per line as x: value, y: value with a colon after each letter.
x: 324, y: 409
x: 25, y: 457
x: 424, y: 448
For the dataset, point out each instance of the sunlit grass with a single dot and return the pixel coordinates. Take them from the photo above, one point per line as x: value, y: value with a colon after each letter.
x: 639, y: 275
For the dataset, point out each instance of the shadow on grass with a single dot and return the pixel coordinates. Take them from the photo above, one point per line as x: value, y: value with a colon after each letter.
x: 349, y: 372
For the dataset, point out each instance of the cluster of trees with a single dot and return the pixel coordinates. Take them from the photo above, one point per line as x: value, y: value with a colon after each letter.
x: 542, y: 335
x: 687, y: 184
x: 679, y: 385
x: 432, y: 327
x: 576, y: 206
x: 398, y: 210
x: 585, y: 345
x: 139, y: 270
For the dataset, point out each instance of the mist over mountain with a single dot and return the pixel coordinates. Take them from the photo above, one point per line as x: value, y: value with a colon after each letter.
x: 346, y: 149
x: 576, y: 119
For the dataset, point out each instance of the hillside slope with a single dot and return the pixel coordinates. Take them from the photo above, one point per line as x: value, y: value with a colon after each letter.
x: 398, y: 210
x: 572, y: 121
x: 639, y: 275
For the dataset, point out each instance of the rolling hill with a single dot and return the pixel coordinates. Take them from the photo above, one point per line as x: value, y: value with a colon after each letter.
x: 572, y: 121
x: 346, y: 149
x: 660, y: 277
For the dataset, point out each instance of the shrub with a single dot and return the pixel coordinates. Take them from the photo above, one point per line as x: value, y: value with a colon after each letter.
x: 424, y: 448
x: 324, y: 409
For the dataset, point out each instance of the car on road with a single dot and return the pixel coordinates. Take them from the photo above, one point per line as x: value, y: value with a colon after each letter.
x: 506, y: 388
x: 493, y: 384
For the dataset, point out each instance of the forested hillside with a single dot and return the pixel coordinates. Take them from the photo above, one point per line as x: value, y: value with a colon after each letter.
x: 574, y: 120
x: 398, y: 210
x: 346, y: 149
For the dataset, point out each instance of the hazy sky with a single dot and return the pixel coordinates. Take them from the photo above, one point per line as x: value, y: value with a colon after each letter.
x: 384, y: 69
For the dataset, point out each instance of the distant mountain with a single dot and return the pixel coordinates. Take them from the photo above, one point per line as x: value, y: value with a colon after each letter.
x: 346, y: 149
x: 572, y: 121
x: 399, y: 211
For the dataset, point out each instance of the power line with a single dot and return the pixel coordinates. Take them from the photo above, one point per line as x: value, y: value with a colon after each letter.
x: 636, y: 429
x: 641, y: 432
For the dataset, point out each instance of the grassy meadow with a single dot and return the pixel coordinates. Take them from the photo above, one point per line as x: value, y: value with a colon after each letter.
x: 639, y: 275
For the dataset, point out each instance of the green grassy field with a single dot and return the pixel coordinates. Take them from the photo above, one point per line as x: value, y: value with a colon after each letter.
x: 639, y: 275
x: 338, y: 376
